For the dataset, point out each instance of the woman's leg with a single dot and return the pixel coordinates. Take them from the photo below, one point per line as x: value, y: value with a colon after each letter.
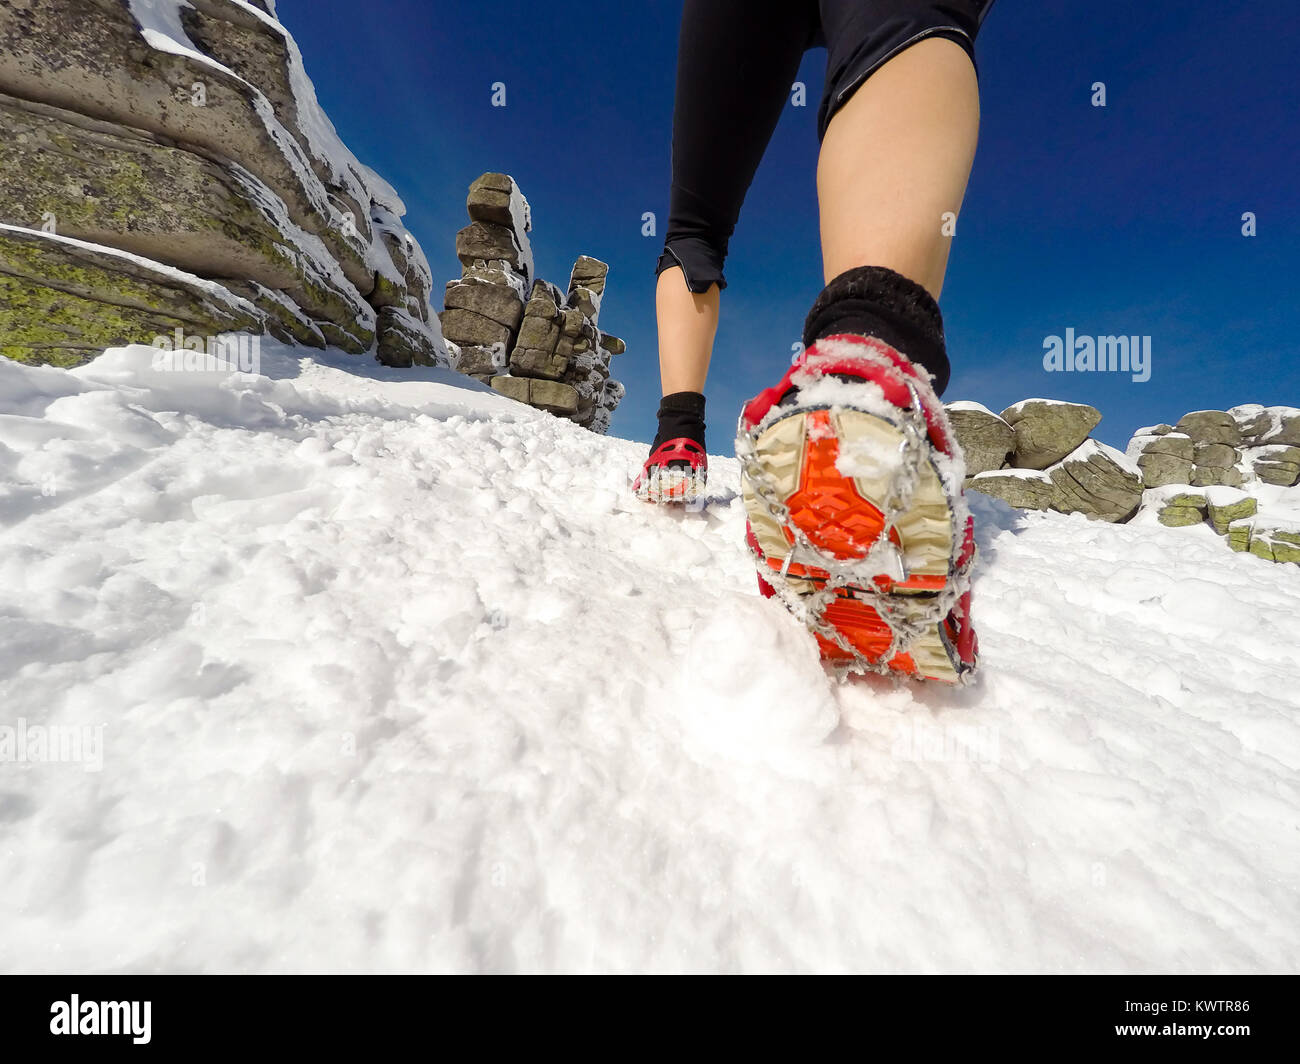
x: 688, y: 322
x: 895, y: 162
x: 736, y: 62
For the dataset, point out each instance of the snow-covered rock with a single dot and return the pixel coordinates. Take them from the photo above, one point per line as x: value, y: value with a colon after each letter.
x: 189, y: 135
x: 1210, y: 426
x: 986, y: 440
x: 1048, y: 429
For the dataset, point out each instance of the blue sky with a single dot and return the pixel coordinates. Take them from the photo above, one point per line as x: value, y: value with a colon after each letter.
x: 1118, y: 220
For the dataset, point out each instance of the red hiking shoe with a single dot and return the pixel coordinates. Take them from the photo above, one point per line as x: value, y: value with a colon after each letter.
x: 852, y: 480
x: 675, y: 473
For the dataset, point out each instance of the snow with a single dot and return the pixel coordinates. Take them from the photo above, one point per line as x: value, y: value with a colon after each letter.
x: 393, y: 674
x: 1221, y: 494
x: 1023, y: 474
x: 521, y: 222
x: 969, y: 405
x: 1018, y: 407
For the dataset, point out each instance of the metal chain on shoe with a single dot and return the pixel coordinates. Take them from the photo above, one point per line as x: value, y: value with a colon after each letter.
x: 908, y: 617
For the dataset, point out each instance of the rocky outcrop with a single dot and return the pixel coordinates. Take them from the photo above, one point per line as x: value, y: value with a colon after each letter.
x: 1210, y: 426
x: 986, y: 440
x: 1047, y: 430
x: 1244, y: 482
x: 1229, y: 505
x: 1232, y: 471
x: 62, y: 301
x: 1082, y: 476
x: 1097, y: 481
x: 1025, y: 489
x: 187, y: 135
x: 1278, y: 465
x: 523, y: 335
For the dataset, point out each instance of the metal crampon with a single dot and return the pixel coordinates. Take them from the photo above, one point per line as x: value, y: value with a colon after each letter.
x: 873, y: 577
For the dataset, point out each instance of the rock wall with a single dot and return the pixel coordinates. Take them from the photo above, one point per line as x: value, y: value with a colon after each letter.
x: 1039, y: 455
x: 1236, y: 470
x: 166, y: 165
x: 524, y: 336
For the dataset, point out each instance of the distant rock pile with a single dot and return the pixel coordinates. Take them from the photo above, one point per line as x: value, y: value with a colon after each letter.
x: 1038, y: 455
x: 524, y: 336
x: 1236, y: 470
x: 165, y: 165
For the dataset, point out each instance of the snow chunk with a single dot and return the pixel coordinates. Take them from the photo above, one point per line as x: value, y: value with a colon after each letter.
x: 1023, y: 474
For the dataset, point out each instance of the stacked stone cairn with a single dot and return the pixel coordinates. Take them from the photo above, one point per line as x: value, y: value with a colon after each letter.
x: 1236, y: 471
x: 524, y: 336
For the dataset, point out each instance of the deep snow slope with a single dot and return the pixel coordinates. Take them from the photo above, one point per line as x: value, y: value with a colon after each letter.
x: 398, y: 676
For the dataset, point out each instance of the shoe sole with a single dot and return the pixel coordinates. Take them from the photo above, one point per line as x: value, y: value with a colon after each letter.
x: 669, y: 487
x: 825, y: 467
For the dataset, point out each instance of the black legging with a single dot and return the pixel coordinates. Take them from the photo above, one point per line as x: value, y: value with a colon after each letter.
x: 736, y: 63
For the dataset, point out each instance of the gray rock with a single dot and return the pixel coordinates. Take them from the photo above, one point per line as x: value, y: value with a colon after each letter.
x: 1180, y: 516
x: 1217, y: 455
x: 61, y: 304
x: 1252, y: 426
x: 538, y: 334
x: 1239, y: 535
x: 584, y: 300
x: 483, y: 240
x: 403, y: 341
x: 1176, y: 446
x: 107, y: 184
x: 552, y: 396
x: 1211, y: 476
x: 1289, y: 433
x: 501, y: 303
x: 1047, y: 431
x: 1276, y: 465
x: 90, y: 58
x: 1093, y: 481
x: 1222, y: 514
x: 572, y: 322
x: 469, y: 328
x: 514, y: 387
x: 985, y: 439
x: 1286, y: 546
x: 1210, y: 426
x: 285, y: 320
x: 1160, y: 469
x: 489, y: 200
x: 476, y: 361
x: 526, y: 362
x: 589, y: 273
x: 612, y: 344
x: 1025, y: 493
x: 542, y: 303
x: 490, y: 271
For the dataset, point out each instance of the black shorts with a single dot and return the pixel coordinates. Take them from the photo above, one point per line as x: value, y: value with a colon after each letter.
x: 736, y: 63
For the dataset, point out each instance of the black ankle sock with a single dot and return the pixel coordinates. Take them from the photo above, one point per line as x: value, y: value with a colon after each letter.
x: 876, y: 301
x: 681, y: 414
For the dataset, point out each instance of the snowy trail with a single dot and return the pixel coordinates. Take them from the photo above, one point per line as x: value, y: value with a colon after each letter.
x: 400, y: 677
